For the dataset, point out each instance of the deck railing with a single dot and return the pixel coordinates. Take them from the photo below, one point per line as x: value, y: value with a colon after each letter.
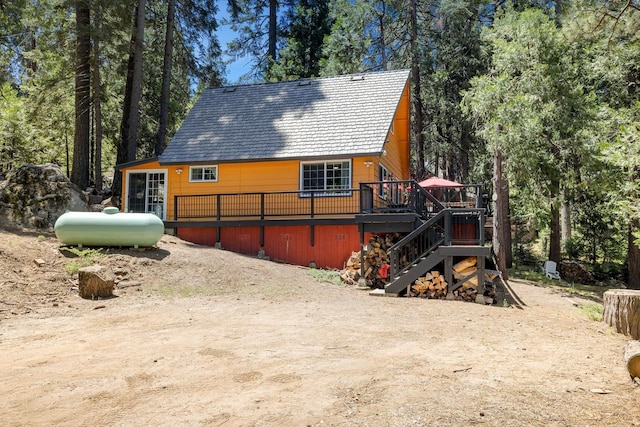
x: 371, y: 197
x: 290, y: 204
x: 409, y: 196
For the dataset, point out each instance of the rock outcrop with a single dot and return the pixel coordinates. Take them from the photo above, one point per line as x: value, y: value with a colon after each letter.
x: 36, y: 195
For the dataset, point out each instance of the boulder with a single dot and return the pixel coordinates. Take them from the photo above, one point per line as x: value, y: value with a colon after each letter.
x: 96, y: 281
x: 36, y: 195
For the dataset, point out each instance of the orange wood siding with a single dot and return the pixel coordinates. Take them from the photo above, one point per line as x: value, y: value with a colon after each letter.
x: 396, y: 161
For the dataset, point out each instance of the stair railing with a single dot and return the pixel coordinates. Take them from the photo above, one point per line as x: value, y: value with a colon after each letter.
x: 424, y: 203
x: 417, y: 244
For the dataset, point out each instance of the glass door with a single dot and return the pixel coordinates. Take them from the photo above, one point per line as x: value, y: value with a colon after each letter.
x: 146, y: 192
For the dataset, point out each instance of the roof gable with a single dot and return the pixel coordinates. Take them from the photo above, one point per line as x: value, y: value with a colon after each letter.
x: 325, y: 117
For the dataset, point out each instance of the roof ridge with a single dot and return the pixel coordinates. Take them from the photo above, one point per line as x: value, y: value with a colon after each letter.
x: 305, y: 79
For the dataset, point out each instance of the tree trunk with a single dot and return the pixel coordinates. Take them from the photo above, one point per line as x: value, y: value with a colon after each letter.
x: 383, y: 46
x: 161, y: 136
x: 554, y: 237
x: 122, y: 144
x: 97, y: 105
x: 501, y: 225
x: 622, y: 311
x: 80, y: 167
x: 30, y: 45
x: 136, y: 86
x: 126, y: 145
x: 417, y: 97
x: 633, y: 256
x: 273, y: 22
x: 565, y: 220
x: 632, y: 358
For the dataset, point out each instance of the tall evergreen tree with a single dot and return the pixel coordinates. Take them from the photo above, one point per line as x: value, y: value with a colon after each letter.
x: 346, y: 47
x: 532, y: 106
x: 166, y: 79
x: 259, y: 33
x: 309, y: 24
x: 452, y: 58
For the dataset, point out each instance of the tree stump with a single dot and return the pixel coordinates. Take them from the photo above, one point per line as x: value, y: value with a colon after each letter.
x: 622, y: 311
x: 632, y: 358
x: 95, y: 281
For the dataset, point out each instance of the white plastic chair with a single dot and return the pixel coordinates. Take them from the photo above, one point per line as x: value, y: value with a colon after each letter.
x: 549, y: 270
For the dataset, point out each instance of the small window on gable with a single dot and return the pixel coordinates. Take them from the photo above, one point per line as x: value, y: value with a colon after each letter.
x: 203, y: 173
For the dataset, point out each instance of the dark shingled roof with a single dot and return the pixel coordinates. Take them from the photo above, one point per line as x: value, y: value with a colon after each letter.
x: 324, y: 117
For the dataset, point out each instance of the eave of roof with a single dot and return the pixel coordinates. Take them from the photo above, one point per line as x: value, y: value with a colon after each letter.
x: 136, y: 163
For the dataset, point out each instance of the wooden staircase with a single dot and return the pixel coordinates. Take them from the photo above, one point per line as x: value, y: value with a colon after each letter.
x: 430, y: 241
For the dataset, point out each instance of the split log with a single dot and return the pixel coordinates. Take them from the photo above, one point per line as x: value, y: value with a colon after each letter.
x: 632, y: 358
x: 622, y: 311
x: 459, y: 275
x: 465, y: 263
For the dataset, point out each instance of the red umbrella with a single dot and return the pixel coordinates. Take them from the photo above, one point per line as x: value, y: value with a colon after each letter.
x: 434, y: 181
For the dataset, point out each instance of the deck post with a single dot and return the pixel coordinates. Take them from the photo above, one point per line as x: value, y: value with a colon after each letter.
x: 448, y: 230
x: 312, y: 202
x: 312, y: 234
x: 480, y: 297
x: 361, y: 251
x: 448, y: 270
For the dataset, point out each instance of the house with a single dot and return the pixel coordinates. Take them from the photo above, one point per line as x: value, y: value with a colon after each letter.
x: 312, y: 137
x: 300, y: 171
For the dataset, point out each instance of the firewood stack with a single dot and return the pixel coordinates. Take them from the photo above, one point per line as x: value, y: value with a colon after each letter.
x: 376, y: 262
x: 431, y: 285
x: 575, y: 272
x: 351, y: 273
x: 376, y: 257
x: 469, y: 289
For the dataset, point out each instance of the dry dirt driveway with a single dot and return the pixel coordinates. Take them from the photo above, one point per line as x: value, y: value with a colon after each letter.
x: 203, y: 337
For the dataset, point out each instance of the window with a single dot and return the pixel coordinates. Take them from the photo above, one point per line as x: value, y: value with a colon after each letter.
x: 146, y: 192
x: 328, y: 176
x: 203, y: 173
x: 384, y: 176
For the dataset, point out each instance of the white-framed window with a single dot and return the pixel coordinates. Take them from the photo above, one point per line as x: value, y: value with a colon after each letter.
x: 207, y: 173
x: 327, y: 175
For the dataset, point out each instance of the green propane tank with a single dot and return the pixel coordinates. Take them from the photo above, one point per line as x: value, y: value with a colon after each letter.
x: 109, y: 228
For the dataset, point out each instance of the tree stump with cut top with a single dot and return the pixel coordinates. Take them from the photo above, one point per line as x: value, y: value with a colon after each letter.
x: 95, y: 282
x: 622, y: 311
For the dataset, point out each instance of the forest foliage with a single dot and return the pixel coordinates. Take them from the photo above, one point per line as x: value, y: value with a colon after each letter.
x: 552, y: 87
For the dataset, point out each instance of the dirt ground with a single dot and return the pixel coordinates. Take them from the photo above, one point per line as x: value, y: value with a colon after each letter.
x: 203, y: 337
